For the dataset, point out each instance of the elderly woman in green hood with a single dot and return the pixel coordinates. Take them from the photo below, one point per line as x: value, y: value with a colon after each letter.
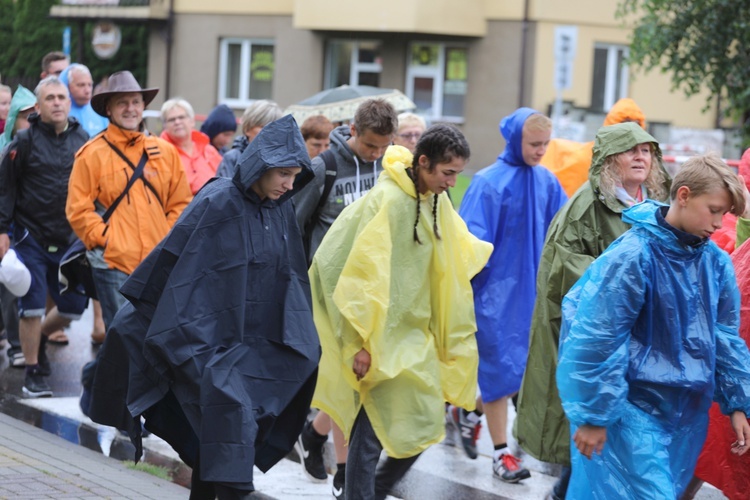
x: 21, y: 105
x: 626, y: 169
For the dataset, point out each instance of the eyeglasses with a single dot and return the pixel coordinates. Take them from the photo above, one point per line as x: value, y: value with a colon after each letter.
x: 177, y: 118
x: 410, y: 137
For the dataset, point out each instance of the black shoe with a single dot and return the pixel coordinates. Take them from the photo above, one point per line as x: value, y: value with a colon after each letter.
x: 309, y: 446
x: 34, y: 386
x: 45, y: 369
x: 338, y: 484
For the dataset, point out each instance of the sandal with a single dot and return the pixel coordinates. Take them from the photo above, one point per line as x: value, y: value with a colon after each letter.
x: 58, y: 338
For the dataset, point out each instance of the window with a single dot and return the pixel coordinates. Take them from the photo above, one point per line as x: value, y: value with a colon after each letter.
x: 610, y: 80
x: 353, y: 63
x: 245, y: 71
x: 436, y: 80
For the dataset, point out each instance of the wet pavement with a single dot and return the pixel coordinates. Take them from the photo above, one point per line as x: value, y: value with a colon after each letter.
x: 442, y: 472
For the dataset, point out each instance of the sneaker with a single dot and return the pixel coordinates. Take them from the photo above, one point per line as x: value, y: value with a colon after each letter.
x: 339, y: 480
x: 34, y: 386
x: 506, y: 468
x: 16, y: 359
x: 309, y: 446
x: 468, y: 430
x: 45, y: 369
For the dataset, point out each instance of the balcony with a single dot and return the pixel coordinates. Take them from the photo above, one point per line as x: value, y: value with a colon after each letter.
x: 116, y: 10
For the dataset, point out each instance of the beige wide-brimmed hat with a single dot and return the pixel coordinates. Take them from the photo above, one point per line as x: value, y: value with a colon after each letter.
x: 118, y: 83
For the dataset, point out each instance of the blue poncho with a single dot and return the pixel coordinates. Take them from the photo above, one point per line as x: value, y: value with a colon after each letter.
x: 509, y: 204
x: 649, y: 338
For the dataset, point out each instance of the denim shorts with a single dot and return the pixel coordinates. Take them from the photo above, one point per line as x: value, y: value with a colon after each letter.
x: 44, y: 264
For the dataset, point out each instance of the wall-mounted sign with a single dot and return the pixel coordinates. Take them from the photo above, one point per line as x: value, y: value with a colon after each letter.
x: 90, y: 2
x: 106, y: 40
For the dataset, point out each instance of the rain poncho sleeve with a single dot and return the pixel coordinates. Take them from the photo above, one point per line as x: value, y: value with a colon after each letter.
x: 594, y: 350
x: 409, y: 305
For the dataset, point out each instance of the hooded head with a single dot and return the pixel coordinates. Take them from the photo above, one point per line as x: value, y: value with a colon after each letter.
x: 22, y: 100
x: 511, y: 127
x: 220, y: 119
x: 279, y: 144
x: 615, y: 139
x: 625, y: 110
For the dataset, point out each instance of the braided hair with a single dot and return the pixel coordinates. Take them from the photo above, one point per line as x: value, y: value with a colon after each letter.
x: 440, y: 143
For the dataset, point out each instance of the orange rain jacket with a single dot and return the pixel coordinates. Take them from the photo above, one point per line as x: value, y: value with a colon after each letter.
x: 140, y: 221
x: 570, y: 160
x: 201, y: 166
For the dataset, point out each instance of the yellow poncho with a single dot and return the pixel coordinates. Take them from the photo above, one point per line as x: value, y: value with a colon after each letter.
x: 410, y: 305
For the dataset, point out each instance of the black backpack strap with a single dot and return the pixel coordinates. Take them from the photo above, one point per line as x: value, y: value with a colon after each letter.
x: 127, y: 160
x: 136, y: 175
x: 331, y: 172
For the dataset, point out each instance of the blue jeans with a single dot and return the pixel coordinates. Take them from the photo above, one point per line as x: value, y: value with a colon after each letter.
x: 108, y: 283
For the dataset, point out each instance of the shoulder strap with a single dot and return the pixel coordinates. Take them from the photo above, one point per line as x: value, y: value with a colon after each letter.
x: 331, y: 172
x: 127, y: 160
x: 136, y: 175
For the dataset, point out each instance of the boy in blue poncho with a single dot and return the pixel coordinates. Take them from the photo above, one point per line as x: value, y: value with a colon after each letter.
x: 509, y: 204
x: 649, y: 338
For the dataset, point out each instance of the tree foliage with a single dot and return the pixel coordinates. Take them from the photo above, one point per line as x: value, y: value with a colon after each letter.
x: 27, y: 33
x: 701, y: 43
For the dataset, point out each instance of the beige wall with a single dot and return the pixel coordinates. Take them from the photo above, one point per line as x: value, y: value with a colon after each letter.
x: 494, y: 65
x: 258, y: 7
x: 653, y: 91
x: 195, y: 59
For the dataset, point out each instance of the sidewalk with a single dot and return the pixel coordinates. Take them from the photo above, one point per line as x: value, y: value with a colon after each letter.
x: 37, y: 464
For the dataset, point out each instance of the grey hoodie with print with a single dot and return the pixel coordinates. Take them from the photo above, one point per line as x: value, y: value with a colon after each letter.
x: 351, y: 171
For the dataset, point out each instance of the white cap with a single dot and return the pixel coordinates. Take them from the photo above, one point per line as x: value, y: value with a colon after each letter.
x: 14, y: 275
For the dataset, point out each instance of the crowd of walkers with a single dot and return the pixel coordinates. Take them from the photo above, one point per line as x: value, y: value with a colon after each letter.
x: 240, y: 282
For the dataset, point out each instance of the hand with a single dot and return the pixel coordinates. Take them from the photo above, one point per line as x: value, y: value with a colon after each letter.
x: 590, y: 439
x: 362, y: 362
x: 4, y: 245
x: 742, y: 431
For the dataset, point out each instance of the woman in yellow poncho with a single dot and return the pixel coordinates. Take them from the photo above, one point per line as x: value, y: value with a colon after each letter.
x: 393, y: 305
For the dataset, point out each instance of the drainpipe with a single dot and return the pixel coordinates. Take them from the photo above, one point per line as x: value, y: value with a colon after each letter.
x: 524, y: 36
x: 168, y: 65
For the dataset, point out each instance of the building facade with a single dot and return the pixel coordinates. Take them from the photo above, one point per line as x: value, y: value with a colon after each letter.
x: 468, y: 63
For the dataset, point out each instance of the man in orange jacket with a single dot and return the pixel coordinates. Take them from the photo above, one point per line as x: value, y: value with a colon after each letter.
x: 100, y: 175
x: 570, y: 160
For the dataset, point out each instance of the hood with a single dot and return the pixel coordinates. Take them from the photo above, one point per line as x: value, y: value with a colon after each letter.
x: 221, y: 119
x: 339, y: 137
x: 240, y: 142
x: 615, y: 139
x: 22, y: 99
x: 512, y: 129
x: 65, y: 78
x: 279, y: 144
x: 643, y: 215
x: 743, y: 169
x: 396, y: 162
x: 625, y: 110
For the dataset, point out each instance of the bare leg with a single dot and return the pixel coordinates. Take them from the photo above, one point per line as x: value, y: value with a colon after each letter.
x: 322, y: 423
x: 30, y: 333
x: 496, y: 413
x: 53, y: 322
x: 339, y: 444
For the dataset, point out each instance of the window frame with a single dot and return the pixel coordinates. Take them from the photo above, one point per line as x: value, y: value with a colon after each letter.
x: 246, y: 44
x: 611, y: 76
x: 437, y: 73
x: 355, y: 67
